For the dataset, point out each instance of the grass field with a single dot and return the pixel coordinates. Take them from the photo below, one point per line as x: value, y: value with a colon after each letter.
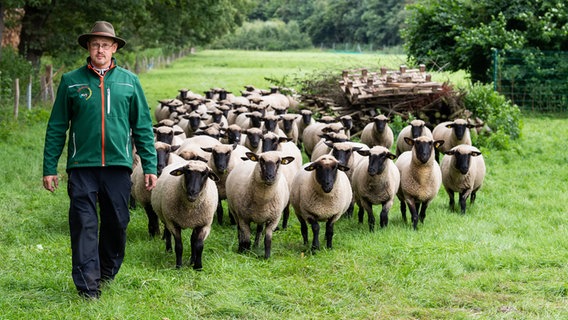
x: 505, y: 259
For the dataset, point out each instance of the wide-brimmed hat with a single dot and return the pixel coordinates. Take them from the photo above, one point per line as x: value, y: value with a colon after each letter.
x: 101, y: 29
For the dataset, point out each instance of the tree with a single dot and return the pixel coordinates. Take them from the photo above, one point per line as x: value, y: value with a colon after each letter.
x: 50, y: 28
x: 459, y: 34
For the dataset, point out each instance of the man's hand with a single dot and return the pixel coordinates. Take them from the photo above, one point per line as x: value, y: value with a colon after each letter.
x: 50, y: 183
x: 150, y: 181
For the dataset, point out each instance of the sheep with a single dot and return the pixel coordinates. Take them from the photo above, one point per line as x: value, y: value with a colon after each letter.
x: 258, y: 192
x: 190, y: 149
x: 415, y: 129
x: 303, y: 121
x: 190, y: 123
x: 289, y: 126
x: 375, y: 180
x: 378, y: 133
x: 420, y: 177
x: 312, y: 134
x: 463, y: 171
x: 453, y: 133
x: 232, y: 135
x: 234, y: 113
x: 270, y: 123
x: 323, y: 146
x: 224, y: 158
x: 347, y: 122
x: 165, y: 107
x: 142, y: 195
x: 322, y: 193
x: 249, y: 120
x: 253, y: 139
x: 273, y: 142
x: 186, y: 196
x: 169, y: 135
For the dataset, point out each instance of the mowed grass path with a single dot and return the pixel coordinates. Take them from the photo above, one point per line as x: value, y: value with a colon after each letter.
x: 505, y: 259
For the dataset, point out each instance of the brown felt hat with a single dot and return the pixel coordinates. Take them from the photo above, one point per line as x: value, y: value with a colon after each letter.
x: 100, y: 29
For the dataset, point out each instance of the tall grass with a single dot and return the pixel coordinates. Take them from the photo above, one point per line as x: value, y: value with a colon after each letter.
x: 505, y: 259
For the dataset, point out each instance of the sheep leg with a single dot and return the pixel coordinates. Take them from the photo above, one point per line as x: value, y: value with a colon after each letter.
x: 304, y: 230
x: 153, y: 221
x: 385, y: 213
x: 422, y: 209
x: 452, y: 200
x: 220, y: 212
x: 472, y: 197
x: 267, y: 242
x: 413, y: 213
x: 350, y: 209
x: 258, y: 234
x: 285, y: 216
x: 244, y: 236
x: 463, y: 199
x: 361, y: 212
x: 178, y: 245
x: 329, y: 232
x: 367, y: 206
x: 315, y: 231
x: 403, y: 210
x: 168, y: 238
x: 197, y: 238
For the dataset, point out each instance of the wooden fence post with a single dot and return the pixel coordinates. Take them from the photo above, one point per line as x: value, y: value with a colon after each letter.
x: 16, y: 97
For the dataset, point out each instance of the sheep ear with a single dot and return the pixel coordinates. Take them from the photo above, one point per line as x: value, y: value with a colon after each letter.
x: 450, y: 152
x: 207, y: 149
x: 409, y: 141
x: 310, y: 167
x: 475, y: 153
x: 438, y: 143
x: 287, y: 160
x: 364, y: 152
x: 199, y: 158
x: 329, y: 144
x: 450, y: 125
x: 235, y: 145
x: 252, y: 156
x: 213, y: 176
x: 342, y: 167
x: 174, y: 148
x: 391, y: 156
x: 177, y: 172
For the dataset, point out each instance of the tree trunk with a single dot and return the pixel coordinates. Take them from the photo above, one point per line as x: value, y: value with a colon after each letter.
x: 33, y: 34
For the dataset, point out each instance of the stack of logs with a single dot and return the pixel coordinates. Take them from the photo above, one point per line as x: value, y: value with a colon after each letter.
x: 405, y: 92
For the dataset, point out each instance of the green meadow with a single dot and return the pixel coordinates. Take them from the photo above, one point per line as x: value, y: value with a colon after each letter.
x: 506, y: 258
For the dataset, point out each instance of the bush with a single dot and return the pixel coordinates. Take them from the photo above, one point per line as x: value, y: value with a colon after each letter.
x: 273, y: 35
x: 12, y: 66
x: 502, y: 116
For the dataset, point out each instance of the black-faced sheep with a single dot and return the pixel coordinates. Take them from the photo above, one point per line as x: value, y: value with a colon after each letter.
x: 185, y: 196
x: 141, y: 195
x: 415, y: 129
x: 257, y: 192
x: 375, y: 180
x: 322, y: 192
x: 420, y: 177
x: 378, y: 133
x: 463, y: 171
x: 273, y: 142
x: 453, y: 133
x: 224, y: 158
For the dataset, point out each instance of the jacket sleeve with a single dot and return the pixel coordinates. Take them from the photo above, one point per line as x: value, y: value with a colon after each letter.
x: 142, y: 132
x: 56, y: 132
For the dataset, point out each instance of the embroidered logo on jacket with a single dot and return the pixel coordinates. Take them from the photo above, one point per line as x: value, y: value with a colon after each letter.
x: 85, y: 92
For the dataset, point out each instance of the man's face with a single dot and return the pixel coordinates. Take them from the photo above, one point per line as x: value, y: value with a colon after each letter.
x: 101, y: 50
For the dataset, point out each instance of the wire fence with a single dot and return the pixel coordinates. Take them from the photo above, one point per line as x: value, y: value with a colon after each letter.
x: 534, y: 80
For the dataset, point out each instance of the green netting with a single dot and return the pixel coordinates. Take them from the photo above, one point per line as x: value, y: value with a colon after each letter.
x: 534, y: 80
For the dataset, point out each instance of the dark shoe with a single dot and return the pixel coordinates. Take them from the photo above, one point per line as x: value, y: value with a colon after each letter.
x: 106, y: 280
x: 90, y: 295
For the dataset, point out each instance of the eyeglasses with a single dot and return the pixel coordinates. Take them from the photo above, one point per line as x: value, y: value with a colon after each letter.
x: 104, y: 46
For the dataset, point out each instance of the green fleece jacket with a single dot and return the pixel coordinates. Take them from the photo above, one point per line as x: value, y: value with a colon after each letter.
x: 104, y: 115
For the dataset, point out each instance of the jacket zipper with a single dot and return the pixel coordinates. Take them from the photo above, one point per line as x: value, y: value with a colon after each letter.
x: 102, y: 86
x: 74, y: 146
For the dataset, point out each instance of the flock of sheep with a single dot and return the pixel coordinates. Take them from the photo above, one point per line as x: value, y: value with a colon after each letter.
x: 247, y: 150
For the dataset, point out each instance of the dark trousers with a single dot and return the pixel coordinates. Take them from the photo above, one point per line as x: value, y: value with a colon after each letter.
x: 97, y: 253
